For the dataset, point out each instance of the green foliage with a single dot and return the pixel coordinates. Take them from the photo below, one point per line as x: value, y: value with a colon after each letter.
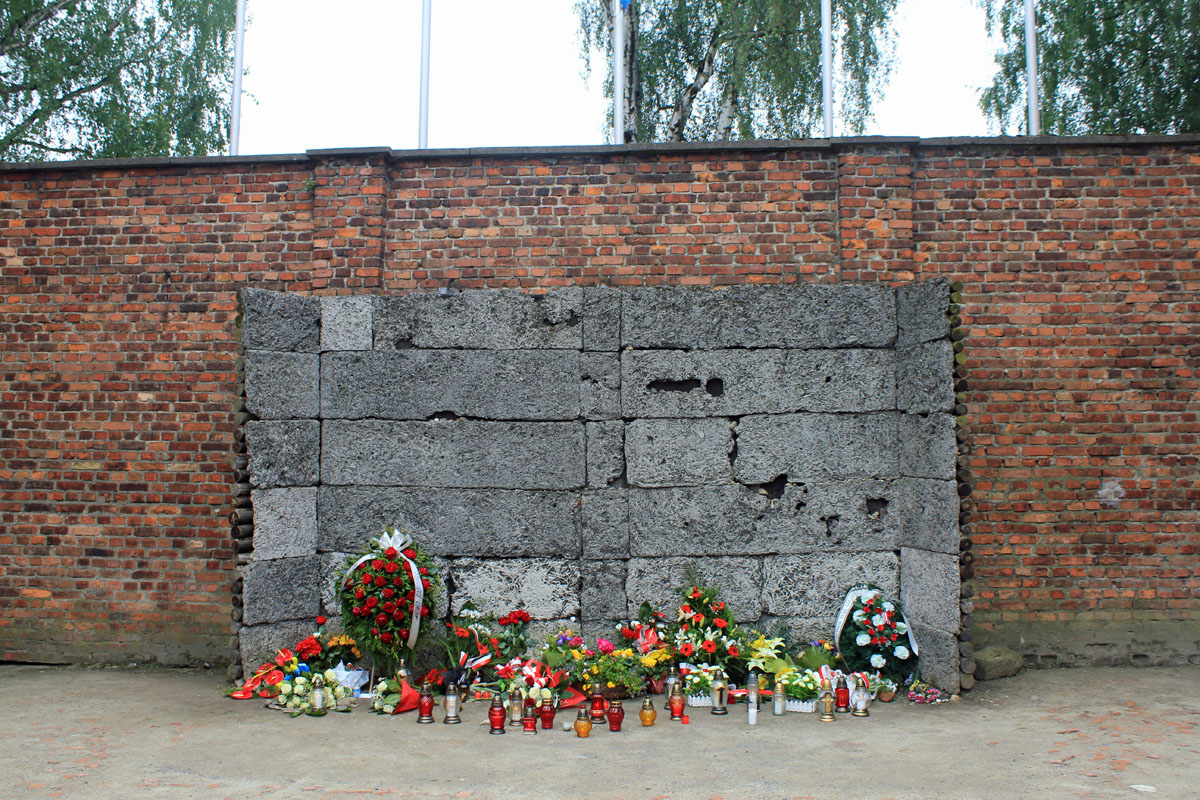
x: 743, y: 69
x: 114, y: 78
x: 1104, y: 66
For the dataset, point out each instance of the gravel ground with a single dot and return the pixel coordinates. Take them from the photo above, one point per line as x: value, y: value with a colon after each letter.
x: 127, y: 733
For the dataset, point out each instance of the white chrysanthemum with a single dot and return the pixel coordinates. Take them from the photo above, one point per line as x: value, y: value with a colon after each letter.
x: 863, y: 639
x: 888, y: 607
x: 859, y: 615
x: 901, y: 627
x: 901, y: 652
x: 877, y: 661
x: 330, y: 676
x: 878, y: 620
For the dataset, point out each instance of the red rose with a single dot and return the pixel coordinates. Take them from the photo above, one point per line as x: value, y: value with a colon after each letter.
x: 380, y: 581
x: 686, y: 649
x: 377, y: 564
x: 409, y: 553
x: 347, y: 584
x: 389, y: 607
x: 423, y: 570
x: 424, y: 611
x: 412, y: 594
x: 358, y: 611
x: 389, y: 593
x: 381, y: 619
x: 386, y: 638
x: 372, y: 602
x: 709, y: 646
x: 392, y: 566
x: 390, y: 552
x: 733, y: 651
x: 398, y: 616
x: 398, y: 580
x: 720, y: 623
x: 503, y: 620
x: 525, y: 616
x: 425, y: 584
x: 368, y: 579
x: 321, y: 620
x: 374, y: 631
x: 359, y: 594
x: 404, y: 633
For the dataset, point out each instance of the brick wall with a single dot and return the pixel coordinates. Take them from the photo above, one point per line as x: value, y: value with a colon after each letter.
x: 1081, y: 265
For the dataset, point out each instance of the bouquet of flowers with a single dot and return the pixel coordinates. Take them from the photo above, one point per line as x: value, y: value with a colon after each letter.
x: 469, y: 646
x: 385, y: 596
x: 513, y: 639
x: 705, y: 629
x: 322, y: 653
x: 564, y: 648
x: 609, y: 668
x: 311, y: 693
x: 534, y: 678
x: 697, y: 678
x: 876, y: 639
x: 816, y: 654
x: 801, y: 684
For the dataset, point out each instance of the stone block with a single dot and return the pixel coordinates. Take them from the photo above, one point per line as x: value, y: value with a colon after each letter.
x: 841, y: 380
x: 816, y: 446
x: 925, y: 377
x: 930, y: 515
x: 605, y: 453
x: 798, y: 629
x: 658, y: 580
x: 921, y: 311
x: 938, y: 656
x: 841, y: 516
x: 454, y: 454
x: 330, y: 566
x: 485, y: 320
x: 678, y: 452
x: 258, y: 644
x: 284, y: 453
x: 281, y: 589
x: 600, y: 386
x: 805, y: 315
x: 285, y: 522
x: 546, y: 588
x: 282, y: 385
x: 697, y: 521
x: 280, y: 321
x: 421, y: 384
x: 603, y: 590
x: 812, y: 586
x: 996, y: 662
x: 605, y: 523
x: 927, y: 446
x: 453, y: 522
x: 929, y: 586
x: 601, y: 318
x: 678, y: 383
x: 347, y: 323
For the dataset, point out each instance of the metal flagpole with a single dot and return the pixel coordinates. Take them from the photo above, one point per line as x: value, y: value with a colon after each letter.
x: 827, y: 64
x: 618, y: 49
x: 423, y: 130
x: 1031, y: 79
x: 235, y: 114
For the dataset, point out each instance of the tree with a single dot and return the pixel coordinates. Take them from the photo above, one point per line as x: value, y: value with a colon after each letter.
x: 114, y: 78
x: 1104, y: 66
x: 746, y: 69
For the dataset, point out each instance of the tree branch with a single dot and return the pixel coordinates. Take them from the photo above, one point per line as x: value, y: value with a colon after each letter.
x: 683, y: 107
x: 16, y: 34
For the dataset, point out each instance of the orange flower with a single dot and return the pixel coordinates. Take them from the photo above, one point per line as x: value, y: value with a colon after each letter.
x: 720, y: 623
x: 709, y: 646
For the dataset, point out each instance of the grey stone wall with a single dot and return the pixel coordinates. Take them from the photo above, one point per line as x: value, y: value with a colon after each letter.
x: 575, y: 452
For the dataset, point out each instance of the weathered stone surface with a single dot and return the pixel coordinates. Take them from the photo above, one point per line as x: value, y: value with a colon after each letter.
x: 458, y: 453
x: 601, y: 318
x: 930, y: 515
x: 799, y: 629
x: 279, y: 589
x: 813, y: 585
x: 853, y: 515
x: 676, y: 383
x: 929, y: 588
x: 258, y: 644
x: 938, y: 656
x: 657, y: 580
x: 453, y: 522
x: 485, y: 319
x: 925, y: 378
x: 285, y: 522
x: 280, y: 321
x: 605, y: 453
x: 605, y: 523
x: 921, y: 311
x: 603, y: 590
x: 546, y: 588
x: 600, y: 386
x: 678, y: 452
x: 419, y: 384
x: 329, y: 565
x: 996, y: 662
x: 696, y: 521
x: 282, y: 385
x: 805, y: 315
x: 284, y: 453
x: 927, y: 446
x: 816, y: 446
x: 347, y: 323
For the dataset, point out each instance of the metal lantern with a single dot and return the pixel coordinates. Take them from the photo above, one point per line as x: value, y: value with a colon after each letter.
x: 779, y: 700
x: 719, y: 693
x: 826, y: 701
x: 515, y: 708
x: 451, y: 705
x: 860, y: 698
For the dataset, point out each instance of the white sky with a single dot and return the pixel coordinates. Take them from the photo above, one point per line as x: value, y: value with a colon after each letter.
x: 510, y: 74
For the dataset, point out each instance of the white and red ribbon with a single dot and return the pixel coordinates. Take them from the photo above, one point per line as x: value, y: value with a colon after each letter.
x: 394, y: 537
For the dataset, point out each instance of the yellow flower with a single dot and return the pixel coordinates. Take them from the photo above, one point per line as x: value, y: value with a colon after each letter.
x: 578, y: 656
x: 596, y: 670
x: 611, y: 684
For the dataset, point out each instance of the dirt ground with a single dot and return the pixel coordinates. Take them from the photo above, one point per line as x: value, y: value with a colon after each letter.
x: 123, y: 733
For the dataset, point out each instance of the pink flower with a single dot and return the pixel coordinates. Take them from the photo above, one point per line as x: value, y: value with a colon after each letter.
x: 604, y: 646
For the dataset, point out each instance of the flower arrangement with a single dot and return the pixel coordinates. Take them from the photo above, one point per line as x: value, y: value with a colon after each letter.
x: 469, y: 645
x: 299, y: 694
x: 513, y: 638
x: 388, y: 693
x: 801, y: 684
x: 876, y: 640
x: 385, y: 595
x: 816, y: 654
x: 564, y: 648
x: 697, y: 678
x: 321, y: 653
x: 619, y: 670
x: 705, y: 628
x: 532, y: 677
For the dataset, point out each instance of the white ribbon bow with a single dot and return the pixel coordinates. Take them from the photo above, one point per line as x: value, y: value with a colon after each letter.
x: 400, y: 540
